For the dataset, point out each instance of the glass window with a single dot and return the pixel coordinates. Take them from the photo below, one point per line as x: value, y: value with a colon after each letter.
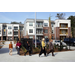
x: 46, y: 24
x: 30, y: 24
x: 30, y: 30
x: 9, y: 32
x: 9, y: 27
x: 45, y: 31
x: 0, y: 27
x: 0, y: 31
x: 52, y: 31
x: 52, y: 25
x: 15, y: 33
x: 15, y: 28
x: 30, y: 36
x: 46, y: 36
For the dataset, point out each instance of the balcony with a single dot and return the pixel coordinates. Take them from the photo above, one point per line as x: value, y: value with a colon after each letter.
x: 63, y: 26
x: 39, y: 33
x: 39, y: 26
x: 63, y: 34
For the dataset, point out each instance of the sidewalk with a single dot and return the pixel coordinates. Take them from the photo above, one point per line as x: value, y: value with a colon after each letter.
x: 66, y: 56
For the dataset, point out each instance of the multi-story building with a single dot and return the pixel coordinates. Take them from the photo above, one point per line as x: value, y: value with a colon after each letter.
x: 10, y: 31
x: 60, y: 28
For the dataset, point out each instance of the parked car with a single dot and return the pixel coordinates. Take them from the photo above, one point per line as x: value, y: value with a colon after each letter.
x: 57, y: 42
x: 37, y: 42
x: 47, y: 41
x: 70, y: 41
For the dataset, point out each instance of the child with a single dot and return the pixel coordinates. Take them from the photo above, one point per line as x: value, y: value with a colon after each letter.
x: 10, y: 48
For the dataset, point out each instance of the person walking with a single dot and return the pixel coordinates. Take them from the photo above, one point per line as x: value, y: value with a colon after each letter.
x: 10, y: 48
x: 51, y: 48
x: 28, y: 49
x: 18, y: 45
x: 42, y: 48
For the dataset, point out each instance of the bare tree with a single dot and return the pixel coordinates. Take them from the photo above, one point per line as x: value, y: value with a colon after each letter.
x: 60, y: 15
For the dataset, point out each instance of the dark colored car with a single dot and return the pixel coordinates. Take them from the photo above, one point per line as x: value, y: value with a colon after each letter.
x: 69, y: 41
x: 37, y: 42
x: 47, y: 41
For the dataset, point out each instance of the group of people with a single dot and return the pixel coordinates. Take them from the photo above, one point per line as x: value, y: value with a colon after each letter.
x: 18, y: 46
x: 51, y: 48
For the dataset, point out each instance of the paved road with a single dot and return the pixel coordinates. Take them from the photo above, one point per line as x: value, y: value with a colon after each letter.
x: 67, y: 56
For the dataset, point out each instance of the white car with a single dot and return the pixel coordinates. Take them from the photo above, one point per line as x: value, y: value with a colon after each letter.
x: 57, y: 42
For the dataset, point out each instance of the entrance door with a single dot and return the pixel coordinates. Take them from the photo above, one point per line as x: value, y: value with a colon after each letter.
x: 4, y: 37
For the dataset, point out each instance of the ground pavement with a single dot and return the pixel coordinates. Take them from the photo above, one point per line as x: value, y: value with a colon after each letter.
x: 66, y: 56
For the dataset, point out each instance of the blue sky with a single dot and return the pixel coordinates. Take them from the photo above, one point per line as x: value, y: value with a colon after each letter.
x: 8, y: 17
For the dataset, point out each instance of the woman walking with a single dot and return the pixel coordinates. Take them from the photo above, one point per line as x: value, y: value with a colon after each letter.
x: 18, y: 45
x: 42, y: 48
x: 10, y: 48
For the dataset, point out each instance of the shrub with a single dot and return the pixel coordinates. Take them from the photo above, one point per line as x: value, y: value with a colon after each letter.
x: 33, y: 46
x: 39, y: 47
x: 23, y: 48
x: 47, y: 46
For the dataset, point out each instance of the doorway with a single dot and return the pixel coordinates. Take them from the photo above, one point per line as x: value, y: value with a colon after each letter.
x: 4, y: 37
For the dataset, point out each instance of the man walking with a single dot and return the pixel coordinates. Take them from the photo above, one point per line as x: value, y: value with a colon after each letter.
x: 51, y: 47
x: 28, y: 49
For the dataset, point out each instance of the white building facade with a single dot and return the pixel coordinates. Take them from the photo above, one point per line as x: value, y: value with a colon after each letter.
x: 60, y: 28
x: 10, y: 31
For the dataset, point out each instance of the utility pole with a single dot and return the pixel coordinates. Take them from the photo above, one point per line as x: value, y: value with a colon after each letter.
x: 35, y: 29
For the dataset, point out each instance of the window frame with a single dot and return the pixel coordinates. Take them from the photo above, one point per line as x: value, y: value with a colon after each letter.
x: 45, y: 23
x: 30, y: 29
x: 45, y: 30
x: 9, y: 31
x: 30, y: 22
x: 9, y: 27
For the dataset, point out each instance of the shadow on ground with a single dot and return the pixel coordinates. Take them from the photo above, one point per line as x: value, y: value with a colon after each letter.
x: 6, y: 50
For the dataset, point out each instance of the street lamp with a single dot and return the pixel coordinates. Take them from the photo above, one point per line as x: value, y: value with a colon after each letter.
x: 35, y: 29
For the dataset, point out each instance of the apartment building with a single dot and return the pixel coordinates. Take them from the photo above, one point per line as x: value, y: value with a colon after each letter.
x: 10, y: 31
x: 60, y: 28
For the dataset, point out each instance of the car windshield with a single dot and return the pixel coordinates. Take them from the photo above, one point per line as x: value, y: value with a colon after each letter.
x: 36, y: 40
x: 47, y: 40
x: 57, y: 41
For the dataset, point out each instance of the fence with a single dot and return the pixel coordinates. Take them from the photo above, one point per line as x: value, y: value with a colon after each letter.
x: 24, y: 42
x: 66, y: 43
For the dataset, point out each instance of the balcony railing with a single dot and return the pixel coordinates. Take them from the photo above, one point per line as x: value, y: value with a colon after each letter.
x: 39, y: 25
x: 15, y: 28
x: 39, y: 32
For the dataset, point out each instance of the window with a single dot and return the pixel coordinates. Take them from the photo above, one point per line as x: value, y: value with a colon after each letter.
x: 30, y: 30
x: 46, y: 24
x: 46, y: 36
x: 30, y: 36
x: 9, y: 32
x: 15, y: 33
x: 15, y: 28
x: 30, y: 24
x: 9, y: 27
x: 21, y: 28
x: 45, y: 31
x: 0, y: 31
x: 52, y: 37
x: 52, y: 31
x: 52, y: 25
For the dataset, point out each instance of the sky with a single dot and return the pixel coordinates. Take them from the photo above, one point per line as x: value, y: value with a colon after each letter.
x: 8, y: 17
